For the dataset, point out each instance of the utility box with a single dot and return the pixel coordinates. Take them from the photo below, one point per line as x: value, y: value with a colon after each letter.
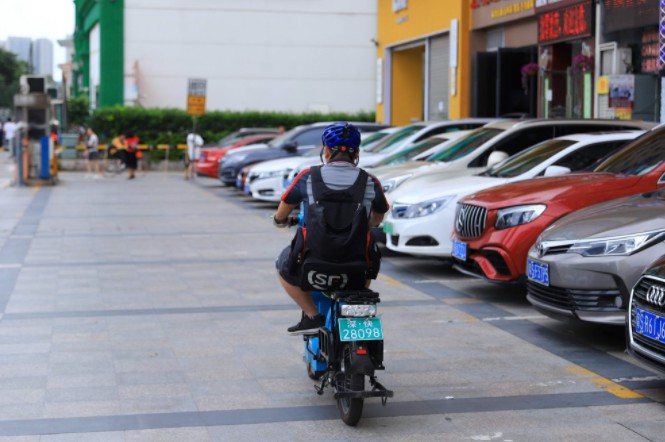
x: 33, y: 112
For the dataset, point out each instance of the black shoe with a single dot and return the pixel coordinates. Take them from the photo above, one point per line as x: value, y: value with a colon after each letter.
x: 307, y: 325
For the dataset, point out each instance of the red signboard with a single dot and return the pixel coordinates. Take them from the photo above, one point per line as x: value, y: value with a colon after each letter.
x: 570, y: 22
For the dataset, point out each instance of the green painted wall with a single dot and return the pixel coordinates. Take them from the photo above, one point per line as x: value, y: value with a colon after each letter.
x: 110, y: 16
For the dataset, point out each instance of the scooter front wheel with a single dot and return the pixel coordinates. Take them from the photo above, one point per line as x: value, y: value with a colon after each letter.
x: 351, y: 409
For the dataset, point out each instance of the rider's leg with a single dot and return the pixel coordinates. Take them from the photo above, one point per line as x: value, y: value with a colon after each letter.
x: 301, y: 297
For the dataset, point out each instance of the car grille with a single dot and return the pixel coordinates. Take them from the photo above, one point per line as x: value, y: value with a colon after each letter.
x: 574, y: 299
x: 399, y: 210
x: 470, y: 220
x: 644, y: 299
x: 228, y: 174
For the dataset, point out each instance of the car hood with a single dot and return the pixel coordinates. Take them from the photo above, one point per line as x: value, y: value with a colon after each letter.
x: 565, y: 189
x: 622, y: 216
x: 245, y: 149
x: 370, y: 159
x: 453, y: 186
x: 657, y: 268
x: 384, y: 173
x: 278, y: 164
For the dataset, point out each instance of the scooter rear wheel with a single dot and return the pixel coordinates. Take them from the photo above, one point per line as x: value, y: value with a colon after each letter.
x: 351, y: 409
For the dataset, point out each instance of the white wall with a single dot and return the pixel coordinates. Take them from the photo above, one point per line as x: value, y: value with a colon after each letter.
x: 285, y: 55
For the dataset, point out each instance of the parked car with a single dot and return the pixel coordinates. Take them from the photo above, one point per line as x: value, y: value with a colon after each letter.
x: 646, y: 318
x: 244, y: 133
x: 295, y: 142
x: 407, y: 136
x: 420, y: 222
x: 584, y: 265
x: 495, y: 228
x: 495, y: 142
x: 208, y: 163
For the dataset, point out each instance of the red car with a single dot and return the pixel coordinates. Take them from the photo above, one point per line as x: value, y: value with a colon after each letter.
x: 495, y: 228
x: 208, y: 163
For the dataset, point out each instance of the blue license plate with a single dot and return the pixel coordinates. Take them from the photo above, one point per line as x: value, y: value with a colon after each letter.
x: 247, y: 189
x: 360, y: 329
x: 286, y: 184
x: 650, y: 325
x: 538, y: 272
x: 459, y: 250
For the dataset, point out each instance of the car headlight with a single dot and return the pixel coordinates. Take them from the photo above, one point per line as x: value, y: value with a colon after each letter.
x: 359, y: 310
x: 391, y: 185
x: 518, y: 215
x: 270, y: 174
x: 427, y: 207
x: 616, y: 246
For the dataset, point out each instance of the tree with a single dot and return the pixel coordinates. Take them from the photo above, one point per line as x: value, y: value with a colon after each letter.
x: 78, y: 110
x: 11, y: 70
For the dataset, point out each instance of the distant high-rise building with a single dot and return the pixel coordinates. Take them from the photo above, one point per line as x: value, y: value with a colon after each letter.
x: 20, y: 46
x: 42, y: 57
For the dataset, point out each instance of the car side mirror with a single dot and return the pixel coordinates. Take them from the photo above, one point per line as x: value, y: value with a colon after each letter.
x: 290, y: 146
x: 496, y: 157
x: 556, y: 171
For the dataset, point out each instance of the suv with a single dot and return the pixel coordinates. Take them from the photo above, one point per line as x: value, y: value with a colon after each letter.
x: 646, y: 317
x: 495, y: 228
x: 295, y: 142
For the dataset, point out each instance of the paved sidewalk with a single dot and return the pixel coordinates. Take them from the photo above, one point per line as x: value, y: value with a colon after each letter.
x: 148, y: 310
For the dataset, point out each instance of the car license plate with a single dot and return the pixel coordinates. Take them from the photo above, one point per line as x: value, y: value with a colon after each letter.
x: 247, y: 189
x: 459, y: 249
x: 538, y: 272
x: 387, y: 228
x: 650, y: 325
x: 286, y: 184
x: 360, y: 329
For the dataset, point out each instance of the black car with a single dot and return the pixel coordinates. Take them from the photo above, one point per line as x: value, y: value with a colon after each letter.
x: 645, y: 328
x: 295, y: 142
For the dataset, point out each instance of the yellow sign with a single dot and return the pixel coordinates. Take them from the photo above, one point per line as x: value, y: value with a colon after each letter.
x: 623, y: 113
x: 515, y: 8
x: 603, y: 85
x: 196, y: 104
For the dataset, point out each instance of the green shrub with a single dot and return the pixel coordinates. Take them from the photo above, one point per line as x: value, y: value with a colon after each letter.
x: 171, y: 126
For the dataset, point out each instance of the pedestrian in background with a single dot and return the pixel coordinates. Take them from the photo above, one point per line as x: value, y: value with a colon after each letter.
x: 92, y: 155
x: 194, y: 144
x: 130, y: 155
x: 9, y: 129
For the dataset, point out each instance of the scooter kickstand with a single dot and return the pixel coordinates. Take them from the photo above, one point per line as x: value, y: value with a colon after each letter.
x: 319, y: 388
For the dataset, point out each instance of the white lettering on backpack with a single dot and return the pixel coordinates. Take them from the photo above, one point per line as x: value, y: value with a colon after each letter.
x: 321, y: 281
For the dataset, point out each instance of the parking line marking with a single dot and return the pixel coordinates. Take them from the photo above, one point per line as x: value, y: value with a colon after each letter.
x: 391, y: 281
x: 604, y: 383
x: 458, y: 301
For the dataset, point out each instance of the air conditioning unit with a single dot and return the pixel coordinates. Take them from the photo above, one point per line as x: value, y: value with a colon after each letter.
x: 615, y: 60
x: 33, y: 84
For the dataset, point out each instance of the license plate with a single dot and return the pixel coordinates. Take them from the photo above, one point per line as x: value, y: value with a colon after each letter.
x: 459, y: 250
x: 360, y: 329
x: 538, y: 272
x: 286, y: 184
x: 650, y: 325
x: 247, y: 189
x: 387, y: 228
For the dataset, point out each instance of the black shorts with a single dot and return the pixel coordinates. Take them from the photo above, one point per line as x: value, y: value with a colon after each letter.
x: 93, y: 155
x: 282, y: 265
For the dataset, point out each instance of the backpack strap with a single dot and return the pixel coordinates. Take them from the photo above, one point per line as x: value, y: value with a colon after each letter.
x: 357, y: 189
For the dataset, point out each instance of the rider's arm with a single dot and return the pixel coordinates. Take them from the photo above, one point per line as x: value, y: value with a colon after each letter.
x: 283, y: 212
x: 375, y: 218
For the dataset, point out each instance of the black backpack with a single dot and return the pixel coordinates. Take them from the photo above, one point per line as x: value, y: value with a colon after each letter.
x: 336, y: 249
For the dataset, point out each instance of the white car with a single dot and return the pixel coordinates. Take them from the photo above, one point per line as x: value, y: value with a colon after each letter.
x: 421, y: 222
x: 407, y: 136
x: 492, y: 143
x: 267, y: 181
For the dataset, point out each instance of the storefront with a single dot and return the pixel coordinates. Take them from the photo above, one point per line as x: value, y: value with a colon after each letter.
x: 422, y: 67
x: 628, y: 66
x: 504, y: 46
x: 566, y: 51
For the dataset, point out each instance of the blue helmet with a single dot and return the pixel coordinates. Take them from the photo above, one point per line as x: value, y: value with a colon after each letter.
x: 341, y: 136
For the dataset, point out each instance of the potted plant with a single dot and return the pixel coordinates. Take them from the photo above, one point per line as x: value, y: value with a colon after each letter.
x: 582, y: 63
x: 528, y: 70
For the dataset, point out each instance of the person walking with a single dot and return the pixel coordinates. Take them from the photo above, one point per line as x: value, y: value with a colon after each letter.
x: 92, y: 155
x: 194, y: 144
x: 9, y: 129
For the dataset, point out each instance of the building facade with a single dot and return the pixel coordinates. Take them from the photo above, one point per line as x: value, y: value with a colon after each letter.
x: 504, y: 44
x: 422, y: 62
x: 42, y: 57
x: 282, y: 55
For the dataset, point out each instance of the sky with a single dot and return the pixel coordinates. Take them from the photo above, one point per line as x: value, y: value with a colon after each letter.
x: 52, y: 19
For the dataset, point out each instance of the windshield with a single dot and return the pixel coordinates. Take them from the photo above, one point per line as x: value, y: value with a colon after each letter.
x: 639, y: 157
x: 466, y: 144
x: 403, y: 157
x: 280, y: 139
x: 371, y: 139
x: 528, y: 159
x: 395, y: 138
